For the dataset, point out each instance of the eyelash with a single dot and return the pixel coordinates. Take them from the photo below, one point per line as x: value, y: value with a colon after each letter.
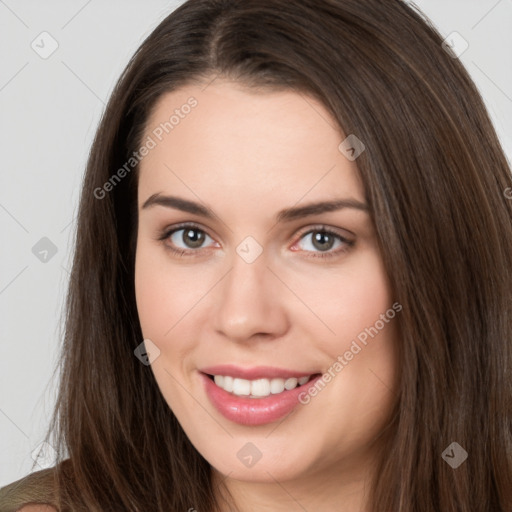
x: 166, y: 233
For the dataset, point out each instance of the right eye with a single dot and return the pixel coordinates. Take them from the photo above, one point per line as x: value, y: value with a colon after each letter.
x: 184, y: 239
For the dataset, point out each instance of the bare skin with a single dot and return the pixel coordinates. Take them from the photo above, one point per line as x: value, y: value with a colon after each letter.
x: 247, y: 155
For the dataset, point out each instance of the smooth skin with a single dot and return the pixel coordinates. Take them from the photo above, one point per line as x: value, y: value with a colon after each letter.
x: 246, y: 155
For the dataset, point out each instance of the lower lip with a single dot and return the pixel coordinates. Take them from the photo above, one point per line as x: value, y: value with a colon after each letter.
x: 254, y: 411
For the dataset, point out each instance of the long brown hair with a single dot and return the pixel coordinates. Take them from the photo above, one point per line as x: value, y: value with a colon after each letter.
x: 435, y: 178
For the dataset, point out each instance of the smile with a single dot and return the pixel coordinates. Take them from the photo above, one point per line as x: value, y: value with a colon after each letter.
x: 258, y: 388
x: 254, y: 396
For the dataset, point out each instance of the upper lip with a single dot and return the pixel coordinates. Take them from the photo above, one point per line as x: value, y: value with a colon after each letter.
x: 254, y: 372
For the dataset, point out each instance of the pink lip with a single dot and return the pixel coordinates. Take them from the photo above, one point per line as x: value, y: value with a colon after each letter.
x: 254, y: 411
x: 256, y: 372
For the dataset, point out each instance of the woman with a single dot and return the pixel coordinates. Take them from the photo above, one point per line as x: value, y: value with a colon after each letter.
x: 293, y: 274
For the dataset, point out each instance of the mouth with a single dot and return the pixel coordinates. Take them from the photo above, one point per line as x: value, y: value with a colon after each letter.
x: 255, y: 396
x: 258, y: 388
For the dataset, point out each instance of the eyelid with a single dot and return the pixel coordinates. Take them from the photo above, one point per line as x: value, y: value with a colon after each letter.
x: 167, y: 231
x: 303, y: 231
x: 324, y: 227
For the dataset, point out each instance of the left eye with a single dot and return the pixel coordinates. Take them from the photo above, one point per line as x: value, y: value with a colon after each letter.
x: 322, y: 240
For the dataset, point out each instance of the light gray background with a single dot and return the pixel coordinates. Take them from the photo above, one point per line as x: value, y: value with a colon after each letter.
x: 49, y: 110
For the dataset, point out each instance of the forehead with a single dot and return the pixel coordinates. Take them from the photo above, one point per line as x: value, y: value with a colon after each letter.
x: 229, y: 141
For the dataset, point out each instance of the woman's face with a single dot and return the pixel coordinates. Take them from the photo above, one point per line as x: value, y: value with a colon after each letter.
x: 244, y: 273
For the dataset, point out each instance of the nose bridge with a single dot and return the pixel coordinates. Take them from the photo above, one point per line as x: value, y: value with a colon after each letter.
x: 247, y: 302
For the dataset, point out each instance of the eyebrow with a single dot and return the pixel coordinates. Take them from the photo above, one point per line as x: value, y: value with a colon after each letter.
x: 286, y: 215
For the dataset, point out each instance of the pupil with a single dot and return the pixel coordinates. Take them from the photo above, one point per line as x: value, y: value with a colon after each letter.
x: 322, y: 240
x: 193, y: 238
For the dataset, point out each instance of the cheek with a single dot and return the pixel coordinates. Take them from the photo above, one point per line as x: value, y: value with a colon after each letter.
x: 163, y: 293
x: 356, y: 304
x: 365, y: 298
x: 348, y: 299
x: 150, y: 286
x: 163, y: 299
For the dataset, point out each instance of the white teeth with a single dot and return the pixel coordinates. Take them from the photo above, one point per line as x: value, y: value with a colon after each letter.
x: 290, y: 383
x: 276, y: 386
x: 241, y: 387
x: 260, y: 387
x: 257, y: 388
x: 228, y: 383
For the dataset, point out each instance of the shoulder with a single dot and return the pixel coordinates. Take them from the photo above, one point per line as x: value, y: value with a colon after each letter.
x: 33, y: 493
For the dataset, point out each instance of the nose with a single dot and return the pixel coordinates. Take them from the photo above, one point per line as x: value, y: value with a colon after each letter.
x: 250, y: 303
